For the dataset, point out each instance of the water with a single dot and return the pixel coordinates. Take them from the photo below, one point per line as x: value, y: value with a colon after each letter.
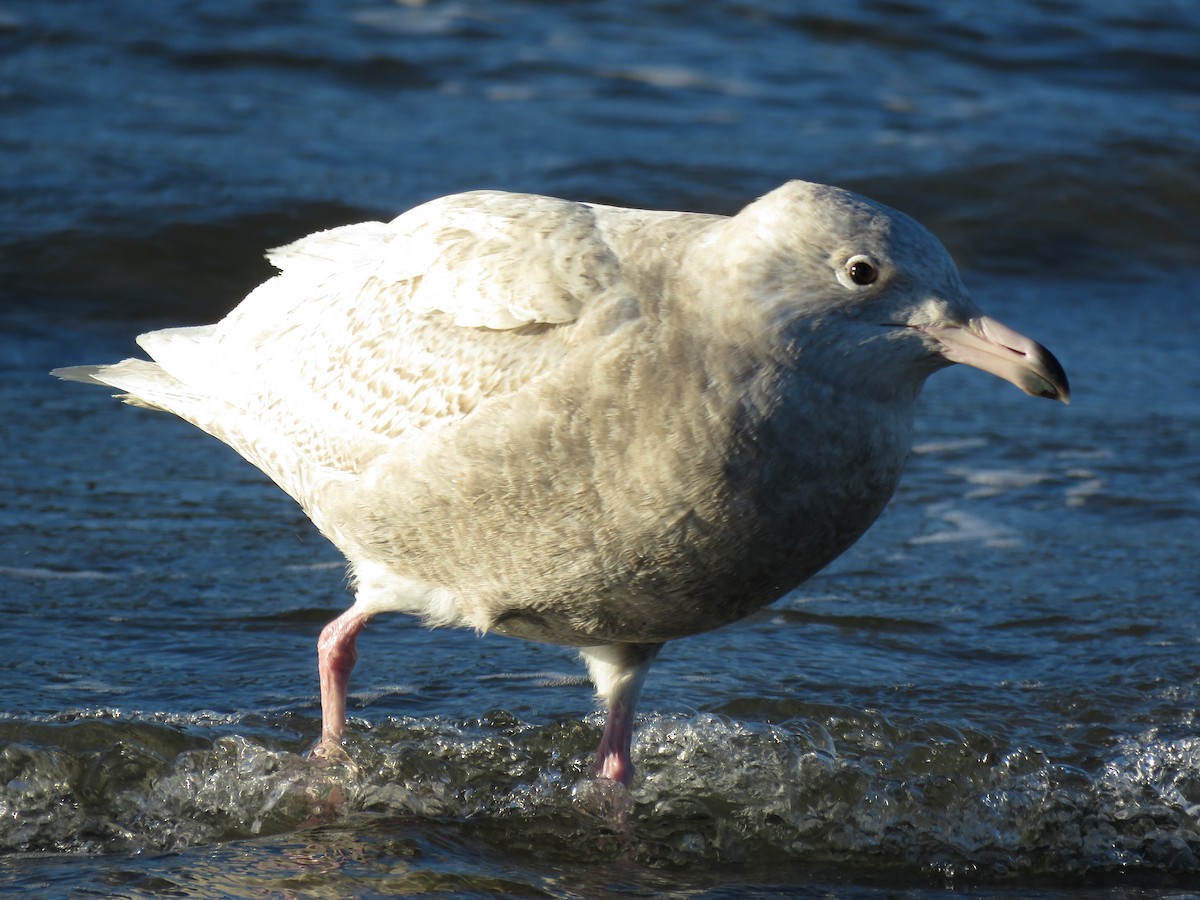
x: 995, y: 692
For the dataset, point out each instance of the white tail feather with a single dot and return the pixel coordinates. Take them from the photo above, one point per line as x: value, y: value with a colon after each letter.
x: 142, y: 383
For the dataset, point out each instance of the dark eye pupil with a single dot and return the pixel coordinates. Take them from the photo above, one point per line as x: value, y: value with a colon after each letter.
x: 863, y: 273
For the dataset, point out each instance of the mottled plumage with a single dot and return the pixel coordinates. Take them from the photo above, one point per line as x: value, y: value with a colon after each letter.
x: 600, y: 427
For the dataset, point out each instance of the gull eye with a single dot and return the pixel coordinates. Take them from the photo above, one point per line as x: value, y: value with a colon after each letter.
x: 862, y: 271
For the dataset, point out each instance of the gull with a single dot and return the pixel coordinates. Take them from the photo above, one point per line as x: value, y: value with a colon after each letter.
x: 578, y: 424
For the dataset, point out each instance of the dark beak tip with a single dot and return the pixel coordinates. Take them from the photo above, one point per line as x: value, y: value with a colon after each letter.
x: 1058, y: 383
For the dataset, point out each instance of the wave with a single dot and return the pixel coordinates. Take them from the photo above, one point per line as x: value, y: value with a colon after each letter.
x: 851, y: 787
x: 1119, y: 213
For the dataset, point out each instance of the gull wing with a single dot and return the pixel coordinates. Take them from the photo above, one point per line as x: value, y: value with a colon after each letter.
x: 376, y: 331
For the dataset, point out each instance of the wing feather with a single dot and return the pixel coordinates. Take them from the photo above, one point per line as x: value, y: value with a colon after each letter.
x: 372, y: 332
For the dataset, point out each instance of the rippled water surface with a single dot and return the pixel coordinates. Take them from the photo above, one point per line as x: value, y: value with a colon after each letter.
x: 995, y: 692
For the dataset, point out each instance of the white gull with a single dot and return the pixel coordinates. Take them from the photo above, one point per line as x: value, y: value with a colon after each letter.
x: 573, y: 423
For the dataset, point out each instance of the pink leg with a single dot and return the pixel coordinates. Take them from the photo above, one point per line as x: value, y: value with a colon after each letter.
x: 618, y: 671
x: 613, y: 758
x: 336, y: 656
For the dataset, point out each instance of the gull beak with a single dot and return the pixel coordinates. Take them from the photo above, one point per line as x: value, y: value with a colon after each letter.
x: 988, y: 345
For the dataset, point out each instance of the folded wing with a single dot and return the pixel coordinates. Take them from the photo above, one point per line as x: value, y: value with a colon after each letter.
x: 373, y: 332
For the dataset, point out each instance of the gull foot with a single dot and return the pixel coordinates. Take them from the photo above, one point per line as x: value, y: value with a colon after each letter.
x: 329, y: 784
x: 327, y: 754
x: 605, y: 801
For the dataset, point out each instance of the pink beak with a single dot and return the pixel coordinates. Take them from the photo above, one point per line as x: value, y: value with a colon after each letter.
x: 988, y: 345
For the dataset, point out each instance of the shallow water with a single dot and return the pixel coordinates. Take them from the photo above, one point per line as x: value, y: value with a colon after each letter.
x: 995, y: 691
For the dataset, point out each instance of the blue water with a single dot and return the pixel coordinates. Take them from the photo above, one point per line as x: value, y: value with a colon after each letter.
x: 995, y: 692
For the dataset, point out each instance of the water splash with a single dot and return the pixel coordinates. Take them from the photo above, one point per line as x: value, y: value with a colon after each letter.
x: 849, y: 787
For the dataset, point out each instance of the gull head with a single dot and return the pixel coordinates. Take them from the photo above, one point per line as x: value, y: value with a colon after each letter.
x: 846, y: 279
